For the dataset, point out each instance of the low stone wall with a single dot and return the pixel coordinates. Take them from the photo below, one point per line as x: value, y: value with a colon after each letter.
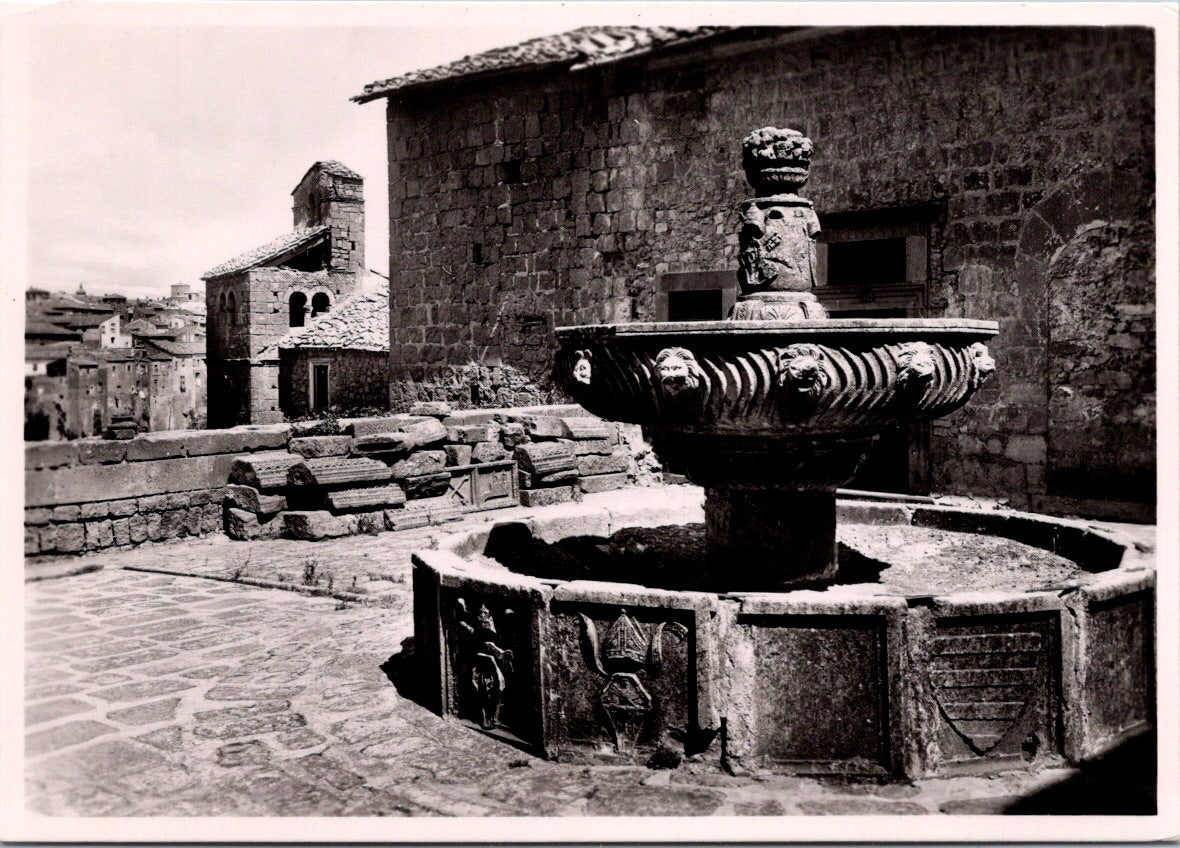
x: 90, y: 494
x: 366, y: 475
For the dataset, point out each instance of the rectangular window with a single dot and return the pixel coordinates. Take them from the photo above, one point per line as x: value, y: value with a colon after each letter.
x: 182, y: 382
x: 864, y: 263
x: 703, y: 305
x: 694, y: 296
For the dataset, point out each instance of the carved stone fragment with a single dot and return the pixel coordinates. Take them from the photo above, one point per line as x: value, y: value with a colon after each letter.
x: 489, y: 666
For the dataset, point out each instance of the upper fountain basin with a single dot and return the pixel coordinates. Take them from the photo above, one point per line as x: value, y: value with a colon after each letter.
x: 777, y: 378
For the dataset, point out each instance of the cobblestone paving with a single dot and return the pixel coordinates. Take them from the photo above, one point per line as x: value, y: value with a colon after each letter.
x: 159, y: 694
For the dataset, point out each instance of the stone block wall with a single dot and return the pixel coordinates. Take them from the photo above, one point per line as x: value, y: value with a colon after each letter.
x: 554, y: 198
x: 356, y: 379
x: 91, y: 494
x: 470, y: 386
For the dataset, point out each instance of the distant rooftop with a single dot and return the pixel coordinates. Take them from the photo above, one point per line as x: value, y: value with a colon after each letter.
x: 178, y: 348
x: 273, y: 249
x: 585, y: 46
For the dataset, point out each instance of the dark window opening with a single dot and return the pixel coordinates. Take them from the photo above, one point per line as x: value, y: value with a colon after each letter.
x: 869, y: 262
x: 319, y: 387
x: 477, y: 253
x: 702, y: 305
x: 510, y: 171
x: 315, y: 258
x: 298, y: 309
x: 320, y: 304
x: 231, y: 306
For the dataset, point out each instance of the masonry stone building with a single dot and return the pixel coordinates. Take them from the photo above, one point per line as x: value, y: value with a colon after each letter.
x: 255, y: 299
x: 1001, y: 173
x: 339, y: 361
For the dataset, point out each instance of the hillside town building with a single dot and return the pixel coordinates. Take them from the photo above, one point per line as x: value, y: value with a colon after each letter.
x: 590, y: 177
x: 89, y: 360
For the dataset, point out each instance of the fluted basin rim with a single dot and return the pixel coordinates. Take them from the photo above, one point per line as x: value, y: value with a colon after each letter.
x: 813, y: 327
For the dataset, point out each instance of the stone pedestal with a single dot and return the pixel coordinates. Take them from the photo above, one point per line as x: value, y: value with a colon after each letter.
x: 769, y: 539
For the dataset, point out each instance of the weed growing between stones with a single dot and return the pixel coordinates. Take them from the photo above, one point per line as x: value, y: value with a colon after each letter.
x: 239, y: 565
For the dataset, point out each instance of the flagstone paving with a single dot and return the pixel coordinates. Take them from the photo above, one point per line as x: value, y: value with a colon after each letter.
x: 152, y: 694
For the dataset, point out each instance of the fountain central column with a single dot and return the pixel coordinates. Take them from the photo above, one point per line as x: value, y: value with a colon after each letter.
x: 770, y: 519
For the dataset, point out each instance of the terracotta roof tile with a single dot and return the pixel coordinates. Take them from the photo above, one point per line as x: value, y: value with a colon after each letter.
x: 178, y: 348
x: 360, y: 322
x: 585, y: 45
x: 260, y: 255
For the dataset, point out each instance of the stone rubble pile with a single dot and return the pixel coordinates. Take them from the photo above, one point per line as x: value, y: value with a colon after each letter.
x: 427, y: 466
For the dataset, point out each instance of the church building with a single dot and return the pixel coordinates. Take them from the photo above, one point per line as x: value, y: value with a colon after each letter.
x: 257, y: 298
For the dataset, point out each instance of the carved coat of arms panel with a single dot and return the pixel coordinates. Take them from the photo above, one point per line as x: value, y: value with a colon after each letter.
x: 995, y: 687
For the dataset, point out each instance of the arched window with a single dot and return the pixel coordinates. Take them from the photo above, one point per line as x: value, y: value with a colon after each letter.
x: 320, y: 304
x: 231, y: 305
x: 221, y: 302
x: 298, y: 304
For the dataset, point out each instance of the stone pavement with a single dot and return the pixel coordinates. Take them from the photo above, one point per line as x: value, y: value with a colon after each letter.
x: 153, y: 694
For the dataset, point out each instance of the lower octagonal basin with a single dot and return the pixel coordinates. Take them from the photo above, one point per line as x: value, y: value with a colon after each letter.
x: 946, y: 640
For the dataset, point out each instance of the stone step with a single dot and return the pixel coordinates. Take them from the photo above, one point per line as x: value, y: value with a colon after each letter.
x: 264, y: 471
x: 252, y: 500
x: 565, y: 476
x: 384, y: 443
x: 545, y: 457
x: 589, y: 428
x: 427, y: 485
x: 338, y: 471
x: 369, y: 498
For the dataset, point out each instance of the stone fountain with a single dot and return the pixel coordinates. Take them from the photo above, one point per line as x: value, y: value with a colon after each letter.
x: 766, y: 642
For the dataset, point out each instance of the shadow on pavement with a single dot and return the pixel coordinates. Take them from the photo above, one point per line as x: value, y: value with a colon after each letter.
x: 1121, y: 782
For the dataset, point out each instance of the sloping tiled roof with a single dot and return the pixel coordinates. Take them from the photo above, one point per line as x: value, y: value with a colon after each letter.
x: 587, y: 45
x: 260, y: 255
x: 360, y: 322
x: 87, y: 321
x: 179, y: 348
x: 39, y: 327
x: 46, y: 353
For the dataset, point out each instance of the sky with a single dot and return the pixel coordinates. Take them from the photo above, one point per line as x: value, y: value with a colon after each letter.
x: 141, y: 144
x: 159, y: 141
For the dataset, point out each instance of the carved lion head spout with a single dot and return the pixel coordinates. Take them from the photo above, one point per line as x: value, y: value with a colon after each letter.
x: 985, y: 366
x: 916, y: 367
x: 678, y: 370
x: 800, y: 369
x: 583, y: 369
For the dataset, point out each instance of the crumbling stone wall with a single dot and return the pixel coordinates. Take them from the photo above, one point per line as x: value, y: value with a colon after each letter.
x: 356, y: 379
x: 554, y: 197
